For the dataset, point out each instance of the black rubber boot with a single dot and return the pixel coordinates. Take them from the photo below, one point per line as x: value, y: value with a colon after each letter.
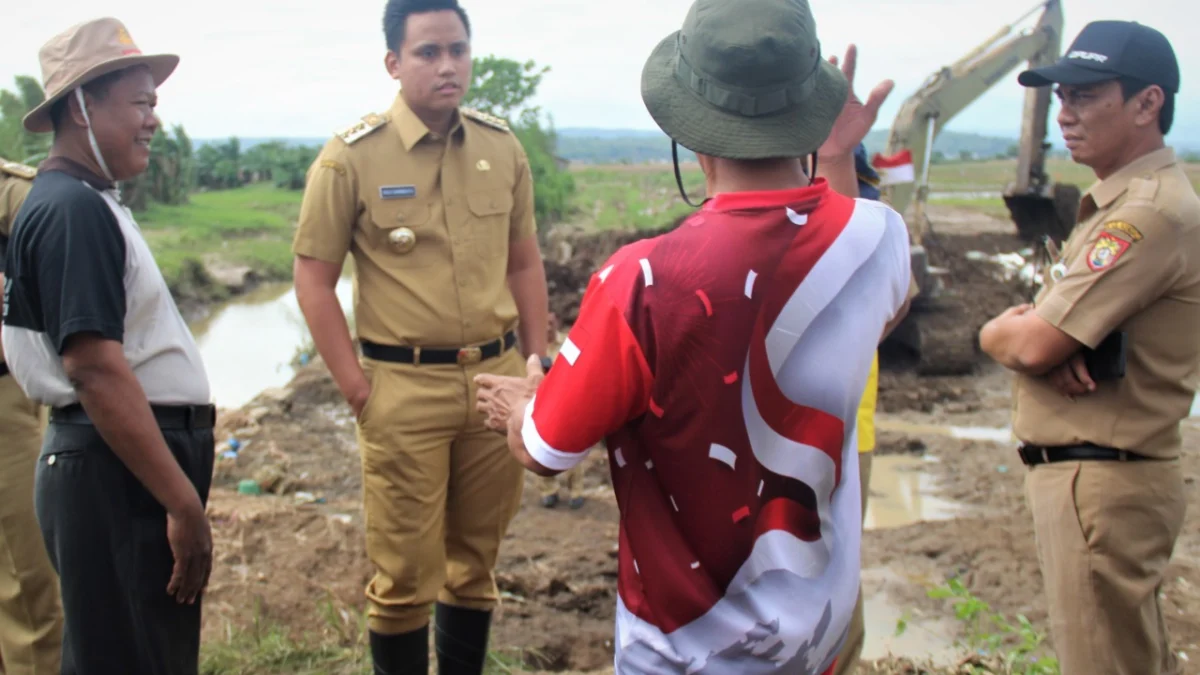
x: 461, y: 639
x: 403, y: 654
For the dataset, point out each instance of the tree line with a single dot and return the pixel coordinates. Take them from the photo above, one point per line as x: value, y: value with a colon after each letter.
x: 501, y: 87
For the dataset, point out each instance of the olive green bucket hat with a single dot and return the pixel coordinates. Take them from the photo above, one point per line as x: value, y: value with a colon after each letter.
x: 744, y: 79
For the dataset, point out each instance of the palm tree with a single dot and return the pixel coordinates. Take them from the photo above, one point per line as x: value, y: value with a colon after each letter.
x: 17, y: 144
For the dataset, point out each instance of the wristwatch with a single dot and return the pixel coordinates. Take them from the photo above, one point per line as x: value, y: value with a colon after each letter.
x: 546, y: 363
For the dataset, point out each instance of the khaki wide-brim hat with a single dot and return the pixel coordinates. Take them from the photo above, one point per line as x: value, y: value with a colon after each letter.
x: 83, y: 53
x: 744, y: 79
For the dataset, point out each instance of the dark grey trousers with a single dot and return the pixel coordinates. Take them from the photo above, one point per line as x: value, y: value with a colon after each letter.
x: 107, y: 539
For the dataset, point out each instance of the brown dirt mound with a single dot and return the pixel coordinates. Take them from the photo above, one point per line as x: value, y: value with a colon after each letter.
x: 574, y: 255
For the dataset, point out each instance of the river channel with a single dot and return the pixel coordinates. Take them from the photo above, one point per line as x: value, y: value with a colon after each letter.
x: 248, y: 344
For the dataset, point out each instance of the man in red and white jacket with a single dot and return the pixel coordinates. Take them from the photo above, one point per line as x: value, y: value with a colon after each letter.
x: 723, y: 362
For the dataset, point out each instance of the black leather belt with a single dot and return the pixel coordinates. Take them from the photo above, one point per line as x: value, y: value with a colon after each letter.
x: 169, y: 417
x: 3, y: 369
x: 418, y: 355
x: 1033, y: 455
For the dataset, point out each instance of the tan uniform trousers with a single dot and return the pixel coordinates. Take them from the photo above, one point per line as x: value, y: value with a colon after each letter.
x: 439, y: 490
x: 573, y: 478
x: 30, y: 607
x: 1105, y: 533
x: 847, y: 659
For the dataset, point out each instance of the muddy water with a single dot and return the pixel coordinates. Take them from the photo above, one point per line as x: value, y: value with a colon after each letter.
x: 902, y: 493
x: 248, y: 344
x: 923, y: 638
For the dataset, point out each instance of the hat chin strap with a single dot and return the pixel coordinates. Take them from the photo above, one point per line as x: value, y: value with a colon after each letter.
x: 92, y: 136
x: 679, y: 177
x: 812, y: 174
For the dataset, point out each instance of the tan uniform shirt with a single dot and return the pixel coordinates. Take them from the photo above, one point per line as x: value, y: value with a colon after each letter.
x: 1133, y: 264
x: 16, y: 180
x: 428, y: 220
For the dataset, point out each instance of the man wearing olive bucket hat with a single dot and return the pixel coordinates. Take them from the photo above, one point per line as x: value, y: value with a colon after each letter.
x: 91, y: 330
x: 723, y: 362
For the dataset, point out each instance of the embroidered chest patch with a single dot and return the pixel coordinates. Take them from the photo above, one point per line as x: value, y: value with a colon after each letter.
x: 1105, y: 252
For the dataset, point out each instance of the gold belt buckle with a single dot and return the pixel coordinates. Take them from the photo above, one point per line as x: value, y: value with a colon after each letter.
x: 469, y: 355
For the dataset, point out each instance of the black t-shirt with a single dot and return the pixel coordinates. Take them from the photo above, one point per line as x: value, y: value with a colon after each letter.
x: 65, y: 263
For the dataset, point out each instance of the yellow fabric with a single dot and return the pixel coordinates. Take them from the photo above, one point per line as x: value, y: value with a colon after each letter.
x: 866, y: 409
x: 439, y: 490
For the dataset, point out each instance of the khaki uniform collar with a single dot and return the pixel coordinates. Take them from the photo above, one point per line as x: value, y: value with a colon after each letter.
x: 1105, y: 192
x: 410, y: 127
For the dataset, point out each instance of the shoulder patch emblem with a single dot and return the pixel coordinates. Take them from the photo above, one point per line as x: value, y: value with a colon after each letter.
x: 1134, y: 234
x: 362, y: 128
x: 485, y: 119
x: 330, y: 164
x: 1105, y: 252
x: 18, y: 170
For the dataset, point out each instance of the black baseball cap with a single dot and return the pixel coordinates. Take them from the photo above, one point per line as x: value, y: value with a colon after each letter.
x: 1106, y: 50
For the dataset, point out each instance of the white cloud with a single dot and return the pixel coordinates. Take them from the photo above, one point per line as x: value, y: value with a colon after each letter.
x: 308, y: 68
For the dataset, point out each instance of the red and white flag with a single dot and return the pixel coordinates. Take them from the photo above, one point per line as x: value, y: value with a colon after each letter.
x: 895, y: 169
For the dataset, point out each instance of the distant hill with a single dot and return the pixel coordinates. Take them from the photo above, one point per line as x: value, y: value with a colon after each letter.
x: 586, y: 145
x: 610, y: 146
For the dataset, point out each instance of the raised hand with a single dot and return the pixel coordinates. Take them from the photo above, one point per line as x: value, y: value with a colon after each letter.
x: 856, y: 118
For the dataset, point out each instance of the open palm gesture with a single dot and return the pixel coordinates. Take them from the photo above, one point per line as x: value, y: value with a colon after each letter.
x: 856, y: 119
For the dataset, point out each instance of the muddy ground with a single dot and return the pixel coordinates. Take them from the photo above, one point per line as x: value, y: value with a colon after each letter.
x: 295, y: 557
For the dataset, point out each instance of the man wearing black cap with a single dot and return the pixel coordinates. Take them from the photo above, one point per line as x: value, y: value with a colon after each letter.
x: 1106, y: 359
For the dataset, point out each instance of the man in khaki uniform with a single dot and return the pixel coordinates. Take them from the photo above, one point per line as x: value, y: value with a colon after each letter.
x: 30, y: 607
x: 1100, y: 427
x: 435, y: 204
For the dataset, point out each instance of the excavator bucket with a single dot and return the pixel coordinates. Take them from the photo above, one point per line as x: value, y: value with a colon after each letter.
x: 1037, y: 215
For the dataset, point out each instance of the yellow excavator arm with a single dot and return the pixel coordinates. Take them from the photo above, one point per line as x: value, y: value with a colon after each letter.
x: 948, y: 91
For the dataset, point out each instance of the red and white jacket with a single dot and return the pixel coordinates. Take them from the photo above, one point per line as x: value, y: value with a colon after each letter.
x: 723, y: 365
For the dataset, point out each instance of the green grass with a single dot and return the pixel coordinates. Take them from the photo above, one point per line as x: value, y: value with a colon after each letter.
x: 994, y: 175
x: 264, y: 648
x: 636, y: 196
x: 253, y: 225
x: 247, y: 226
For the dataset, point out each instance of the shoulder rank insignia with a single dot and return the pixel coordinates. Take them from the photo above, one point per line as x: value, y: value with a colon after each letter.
x: 1125, y: 228
x: 485, y: 119
x: 362, y: 128
x: 18, y: 170
x: 1105, y: 252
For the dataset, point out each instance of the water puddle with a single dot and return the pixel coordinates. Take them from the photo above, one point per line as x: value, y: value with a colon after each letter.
x: 924, y: 637
x: 902, y: 494
x: 248, y: 344
x: 992, y: 434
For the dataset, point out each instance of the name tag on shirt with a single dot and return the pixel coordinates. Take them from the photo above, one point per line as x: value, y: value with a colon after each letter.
x: 397, y: 191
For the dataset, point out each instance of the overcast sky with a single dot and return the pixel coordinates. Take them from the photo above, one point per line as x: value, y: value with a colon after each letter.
x: 308, y: 68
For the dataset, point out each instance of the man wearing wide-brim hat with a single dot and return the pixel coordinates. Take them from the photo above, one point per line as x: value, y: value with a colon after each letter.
x: 91, y: 331
x: 723, y: 362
